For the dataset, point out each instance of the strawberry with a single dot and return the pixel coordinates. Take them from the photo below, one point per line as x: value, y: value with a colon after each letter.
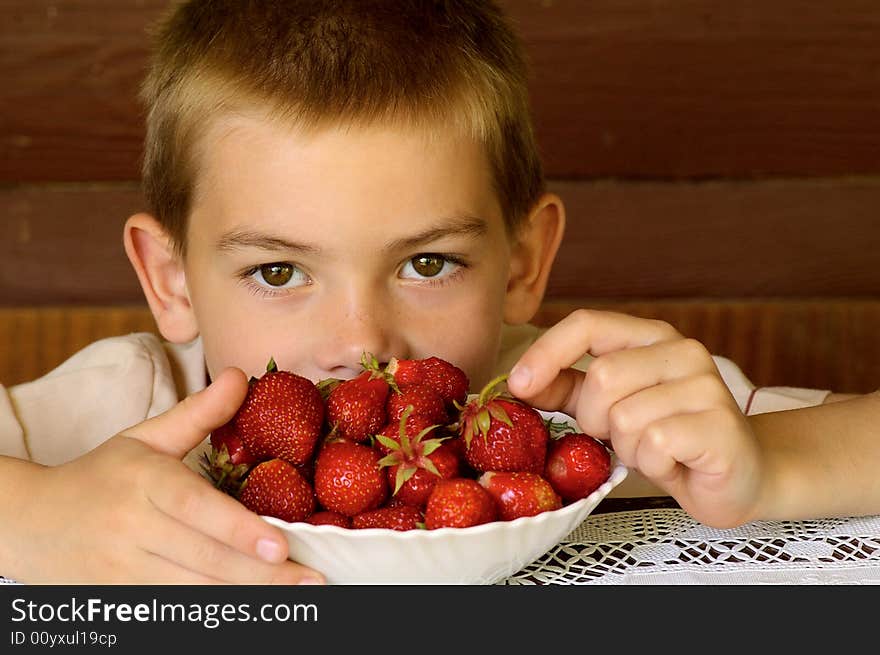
x: 405, y: 372
x: 414, y: 425
x: 424, y: 400
x: 503, y: 434
x: 348, y: 478
x: 456, y: 445
x: 452, y: 382
x: 416, y: 464
x: 417, y: 487
x: 402, y: 517
x: 229, y: 461
x: 276, y: 488
x: 356, y: 407
x: 281, y: 416
x: 394, y: 501
x: 225, y: 437
x: 449, y: 381
x: 459, y: 503
x: 326, y: 517
x: 576, y: 465
x: 519, y: 493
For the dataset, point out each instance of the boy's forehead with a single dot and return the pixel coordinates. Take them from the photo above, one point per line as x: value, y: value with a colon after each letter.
x: 249, y: 166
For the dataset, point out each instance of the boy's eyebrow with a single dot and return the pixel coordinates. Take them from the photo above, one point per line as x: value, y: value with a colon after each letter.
x: 248, y: 239
x: 460, y: 225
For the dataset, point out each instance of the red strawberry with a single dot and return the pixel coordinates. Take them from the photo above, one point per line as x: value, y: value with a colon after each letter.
x: 281, y: 416
x: 394, y: 501
x: 520, y: 493
x: 356, y: 407
x: 402, y: 517
x: 276, y: 488
x: 229, y: 461
x: 503, y: 434
x: 452, y: 382
x: 326, y: 517
x: 225, y: 437
x: 414, y: 425
x: 348, y: 478
x: 576, y: 465
x: 456, y: 445
x: 459, y: 503
x: 449, y: 381
x: 416, y: 488
x: 405, y: 372
x: 416, y: 464
x: 424, y: 400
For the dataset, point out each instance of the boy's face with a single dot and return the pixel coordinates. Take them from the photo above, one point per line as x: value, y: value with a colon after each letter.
x: 312, y: 248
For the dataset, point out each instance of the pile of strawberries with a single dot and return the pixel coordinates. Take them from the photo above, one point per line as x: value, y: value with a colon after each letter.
x: 399, y: 446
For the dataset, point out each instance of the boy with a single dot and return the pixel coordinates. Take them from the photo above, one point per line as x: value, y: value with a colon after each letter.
x: 328, y: 178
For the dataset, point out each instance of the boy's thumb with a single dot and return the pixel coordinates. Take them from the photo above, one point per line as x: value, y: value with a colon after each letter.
x: 185, y: 425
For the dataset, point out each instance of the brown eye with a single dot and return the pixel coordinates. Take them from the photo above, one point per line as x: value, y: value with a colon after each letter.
x: 428, y: 265
x: 277, y: 274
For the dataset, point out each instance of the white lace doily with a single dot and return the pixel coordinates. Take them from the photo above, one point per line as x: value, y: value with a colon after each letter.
x: 666, y: 546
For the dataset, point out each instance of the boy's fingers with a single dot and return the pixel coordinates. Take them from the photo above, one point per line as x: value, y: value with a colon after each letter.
x: 693, y: 457
x: 626, y: 422
x: 619, y: 374
x: 195, y: 503
x: 671, y: 444
x: 203, y: 555
x: 162, y: 571
x: 625, y: 373
x: 582, y: 332
x: 185, y: 425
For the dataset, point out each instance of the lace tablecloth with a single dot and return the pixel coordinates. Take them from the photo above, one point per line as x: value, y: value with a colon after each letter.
x: 666, y: 546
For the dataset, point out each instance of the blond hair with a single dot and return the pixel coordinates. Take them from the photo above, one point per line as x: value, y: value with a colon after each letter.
x: 441, y: 64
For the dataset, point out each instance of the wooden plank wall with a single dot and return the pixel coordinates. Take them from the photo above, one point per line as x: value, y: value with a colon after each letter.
x: 720, y: 163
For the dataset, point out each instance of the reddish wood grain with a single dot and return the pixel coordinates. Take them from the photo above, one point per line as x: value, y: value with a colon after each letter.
x: 623, y: 88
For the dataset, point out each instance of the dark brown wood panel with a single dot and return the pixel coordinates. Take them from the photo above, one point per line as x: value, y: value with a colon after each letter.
x: 628, y: 88
x: 815, y: 344
x: 784, y: 238
x: 63, y: 244
x: 702, y: 88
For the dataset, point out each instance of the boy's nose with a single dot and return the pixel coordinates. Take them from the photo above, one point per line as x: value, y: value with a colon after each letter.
x: 366, y: 328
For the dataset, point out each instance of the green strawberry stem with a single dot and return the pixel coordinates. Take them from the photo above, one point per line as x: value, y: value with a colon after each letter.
x: 558, y: 429
x: 488, y: 392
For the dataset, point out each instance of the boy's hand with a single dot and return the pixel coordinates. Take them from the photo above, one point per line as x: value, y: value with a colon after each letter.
x: 660, y: 400
x: 130, y: 511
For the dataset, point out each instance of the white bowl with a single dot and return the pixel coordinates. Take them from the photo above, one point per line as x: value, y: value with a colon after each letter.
x: 482, y: 554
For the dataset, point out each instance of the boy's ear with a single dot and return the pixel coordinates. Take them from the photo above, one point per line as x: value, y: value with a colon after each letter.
x: 533, y: 253
x: 163, y: 280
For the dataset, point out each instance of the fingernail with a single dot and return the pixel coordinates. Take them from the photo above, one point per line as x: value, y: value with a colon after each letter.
x: 311, y: 580
x: 270, y: 550
x: 520, y: 376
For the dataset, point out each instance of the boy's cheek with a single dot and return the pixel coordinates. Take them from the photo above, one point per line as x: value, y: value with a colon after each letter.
x: 231, y: 348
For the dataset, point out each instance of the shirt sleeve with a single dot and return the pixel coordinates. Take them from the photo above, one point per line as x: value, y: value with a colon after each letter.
x: 103, y: 389
x: 759, y: 400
